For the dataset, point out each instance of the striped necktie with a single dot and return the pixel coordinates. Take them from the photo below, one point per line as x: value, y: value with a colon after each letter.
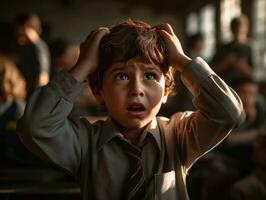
x: 136, y: 187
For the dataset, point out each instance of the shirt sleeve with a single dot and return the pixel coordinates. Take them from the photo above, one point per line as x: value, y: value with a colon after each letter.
x: 218, y: 111
x: 46, y: 128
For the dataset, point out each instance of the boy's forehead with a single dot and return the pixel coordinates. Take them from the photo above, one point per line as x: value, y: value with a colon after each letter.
x: 135, y: 62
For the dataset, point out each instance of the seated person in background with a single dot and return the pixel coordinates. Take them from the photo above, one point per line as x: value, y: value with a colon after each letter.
x: 195, y: 45
x: 133, y: 154
x: 31, y: 53
x: 12, y: 103
x: 239, y: 143
x: 235, y: 58
x: 253, y: 186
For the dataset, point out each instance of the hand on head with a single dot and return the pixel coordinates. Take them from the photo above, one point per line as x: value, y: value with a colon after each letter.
x: 175, y: 54
x: 89, y: 54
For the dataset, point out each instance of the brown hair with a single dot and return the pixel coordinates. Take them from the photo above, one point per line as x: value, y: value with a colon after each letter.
x: 127, y: 40
x: 12, y: 84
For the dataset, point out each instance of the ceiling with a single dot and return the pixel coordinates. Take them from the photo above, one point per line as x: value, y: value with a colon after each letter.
x: 177, y: 7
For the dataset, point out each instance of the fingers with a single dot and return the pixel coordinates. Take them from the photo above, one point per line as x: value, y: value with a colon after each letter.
x: 164, y: 34
x: 100, y: 32
x: 95, y: 35
x: 166, y: 31
x: 89, y: 54
x: 166, y: 27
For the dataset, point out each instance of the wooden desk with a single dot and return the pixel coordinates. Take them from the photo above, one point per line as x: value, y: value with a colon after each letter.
x: 36, y: 184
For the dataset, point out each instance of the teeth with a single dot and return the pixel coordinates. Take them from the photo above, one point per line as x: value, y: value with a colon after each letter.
x: 136, y: 107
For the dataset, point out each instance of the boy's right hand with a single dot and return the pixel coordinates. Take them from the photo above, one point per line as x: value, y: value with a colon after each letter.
x: 89, y: 54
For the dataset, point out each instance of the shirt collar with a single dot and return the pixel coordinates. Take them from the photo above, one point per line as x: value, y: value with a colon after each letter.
x: 154, y: 130
x: 110, y: 130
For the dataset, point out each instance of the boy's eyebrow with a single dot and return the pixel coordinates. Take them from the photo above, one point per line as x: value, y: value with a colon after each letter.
x: 155, y: 68
x: 152, y: 68
x: 118, y: 68
x: 122, y: 67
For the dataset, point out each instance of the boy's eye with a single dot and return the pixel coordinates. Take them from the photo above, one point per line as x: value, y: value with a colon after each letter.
x: 121, y: 76
x: 150, y: 76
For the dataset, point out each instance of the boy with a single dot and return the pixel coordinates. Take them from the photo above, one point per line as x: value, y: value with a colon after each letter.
x: 133, y: 154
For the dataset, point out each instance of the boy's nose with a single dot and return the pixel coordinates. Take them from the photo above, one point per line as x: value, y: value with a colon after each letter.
x: 136, y: 88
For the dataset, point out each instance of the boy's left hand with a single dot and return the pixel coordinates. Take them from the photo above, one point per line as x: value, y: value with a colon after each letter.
x: 89, y: 54
x: 175, y: 54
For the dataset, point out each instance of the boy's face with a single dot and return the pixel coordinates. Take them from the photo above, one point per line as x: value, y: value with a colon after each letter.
x: 133, y: 92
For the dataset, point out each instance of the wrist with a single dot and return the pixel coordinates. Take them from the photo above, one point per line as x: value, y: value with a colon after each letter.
x: 181, y: 62
x: 80, y: 71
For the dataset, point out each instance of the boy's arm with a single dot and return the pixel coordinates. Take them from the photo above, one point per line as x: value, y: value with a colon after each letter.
x: 219, y: 108
x: 46, y: 127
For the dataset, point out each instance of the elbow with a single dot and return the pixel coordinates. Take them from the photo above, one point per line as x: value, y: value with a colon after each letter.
x: 236, y: 116
x: 26, y: 127
x: 241, y: 118
x: 23, y: 131
x: 23, y: 128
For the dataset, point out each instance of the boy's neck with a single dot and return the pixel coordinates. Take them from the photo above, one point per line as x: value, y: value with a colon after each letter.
x: 131, y: 135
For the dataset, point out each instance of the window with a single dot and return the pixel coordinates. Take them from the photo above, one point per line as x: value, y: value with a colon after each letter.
x: 203, y: 22
x: 192, y: 23
x: 207, y: 18
x: 259, y: 33
x: 229, y: 10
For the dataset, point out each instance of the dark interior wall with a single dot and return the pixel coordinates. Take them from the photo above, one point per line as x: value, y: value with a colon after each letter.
x: 74, y: 19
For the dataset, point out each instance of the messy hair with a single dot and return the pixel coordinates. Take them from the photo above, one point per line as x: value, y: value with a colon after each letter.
x: 127, y: 40
x: 12, y: 84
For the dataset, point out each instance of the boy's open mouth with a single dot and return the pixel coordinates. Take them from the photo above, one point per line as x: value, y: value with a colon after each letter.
x: 136, y: 107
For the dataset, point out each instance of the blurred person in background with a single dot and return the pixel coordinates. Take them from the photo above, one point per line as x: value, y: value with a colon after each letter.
x: 213, y: 176
x: 235, y: 58
x: 253, y: 186
x: 195, y: 45
x: 31, y: 53
x: 12, y: 103
x: 239, y: 143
